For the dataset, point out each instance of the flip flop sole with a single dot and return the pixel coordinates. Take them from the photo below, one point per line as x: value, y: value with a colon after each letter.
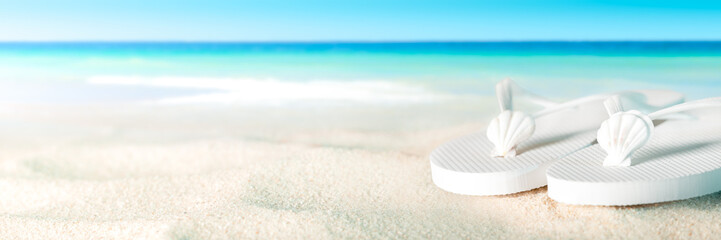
x: 682, y: 160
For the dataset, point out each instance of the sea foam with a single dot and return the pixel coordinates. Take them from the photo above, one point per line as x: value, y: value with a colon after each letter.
x: 273, y: 91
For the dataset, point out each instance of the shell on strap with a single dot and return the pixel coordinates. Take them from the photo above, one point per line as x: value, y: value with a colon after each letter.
x: 507, y: 130
x: 510, y: 127
x: 622, y: 134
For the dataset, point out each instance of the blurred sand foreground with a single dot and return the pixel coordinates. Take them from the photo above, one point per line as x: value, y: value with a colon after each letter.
x: 345, y: 171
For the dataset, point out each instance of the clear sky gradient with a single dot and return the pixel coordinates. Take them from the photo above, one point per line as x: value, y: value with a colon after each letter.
x: 357, y: 20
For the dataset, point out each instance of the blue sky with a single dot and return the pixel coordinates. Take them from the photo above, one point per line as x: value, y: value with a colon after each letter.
x: 351, y: 20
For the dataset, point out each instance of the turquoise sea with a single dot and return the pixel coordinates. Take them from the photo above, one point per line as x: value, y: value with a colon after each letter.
x: 70, y: 72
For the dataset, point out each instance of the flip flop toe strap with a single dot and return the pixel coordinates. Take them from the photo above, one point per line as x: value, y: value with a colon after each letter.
x: 510, y: 127
x: 624, y: 132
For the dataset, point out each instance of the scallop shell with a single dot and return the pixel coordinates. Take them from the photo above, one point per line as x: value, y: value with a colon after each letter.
x: 622, y: 134
x: 507, y: 130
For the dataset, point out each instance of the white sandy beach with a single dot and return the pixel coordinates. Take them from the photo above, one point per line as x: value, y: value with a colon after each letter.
x: 236, y: 172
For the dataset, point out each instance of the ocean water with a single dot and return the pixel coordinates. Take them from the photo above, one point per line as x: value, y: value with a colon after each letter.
x: 374, y: 73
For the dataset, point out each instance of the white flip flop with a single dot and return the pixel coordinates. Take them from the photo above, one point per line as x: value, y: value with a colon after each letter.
x: 629, y: 166
x: 512, y: 155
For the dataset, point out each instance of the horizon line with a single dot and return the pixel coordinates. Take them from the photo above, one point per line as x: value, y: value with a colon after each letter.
x: 354, y: 41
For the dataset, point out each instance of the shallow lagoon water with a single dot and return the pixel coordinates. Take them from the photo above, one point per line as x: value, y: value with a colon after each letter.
x: 556, y: 69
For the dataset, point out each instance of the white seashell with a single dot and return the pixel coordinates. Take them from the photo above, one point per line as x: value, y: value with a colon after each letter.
x: 507, y: 130
x: 622, y: 134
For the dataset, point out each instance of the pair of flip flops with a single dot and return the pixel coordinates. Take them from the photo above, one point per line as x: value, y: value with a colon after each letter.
x: 625, y: 148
